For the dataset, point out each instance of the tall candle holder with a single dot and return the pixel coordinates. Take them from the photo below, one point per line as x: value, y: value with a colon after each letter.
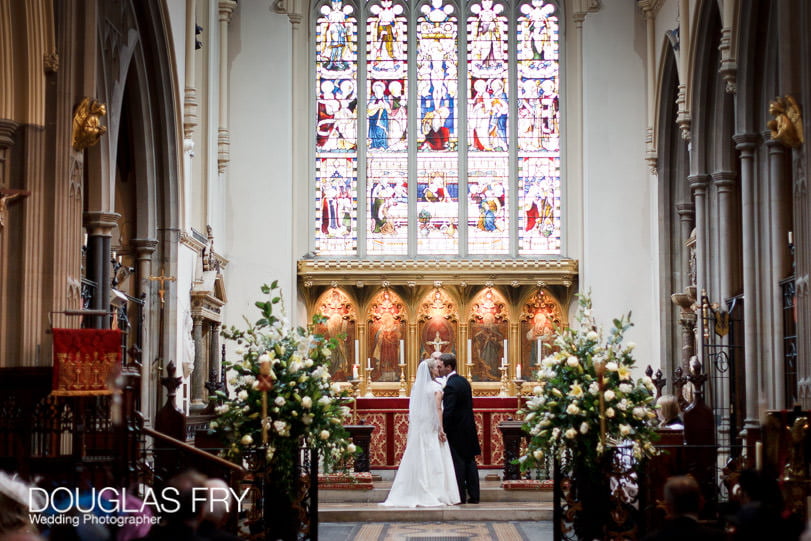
x: 402, y: 380
x: 369, y: 392
x: 505, y: 383
x: 355, y: 383
x: 519, y: 386
x: 469, y: 366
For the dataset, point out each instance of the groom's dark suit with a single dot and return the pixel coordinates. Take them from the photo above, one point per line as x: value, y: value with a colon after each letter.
x: 460, y: 427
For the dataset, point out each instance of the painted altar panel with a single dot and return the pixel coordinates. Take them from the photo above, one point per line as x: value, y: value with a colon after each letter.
x: 387, y: 319
x: 341, y: 324
x: 488, y: 330
x: 438, y: 324
x: 540, y: 315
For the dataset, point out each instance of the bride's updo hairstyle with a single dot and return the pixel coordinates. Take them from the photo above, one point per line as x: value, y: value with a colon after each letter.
x: 448, y: 359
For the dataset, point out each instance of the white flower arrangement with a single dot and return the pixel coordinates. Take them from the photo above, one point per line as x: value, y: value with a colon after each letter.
x: 290, y: 364
x: 565, y: 414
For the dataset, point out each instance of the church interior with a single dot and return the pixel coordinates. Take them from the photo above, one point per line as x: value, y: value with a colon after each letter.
x: 514, y: 156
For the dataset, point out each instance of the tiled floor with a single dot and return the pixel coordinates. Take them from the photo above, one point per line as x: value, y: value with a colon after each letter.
x: 436, y: 531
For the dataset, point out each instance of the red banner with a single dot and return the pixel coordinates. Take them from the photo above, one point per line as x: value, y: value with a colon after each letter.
x: 85, y: 361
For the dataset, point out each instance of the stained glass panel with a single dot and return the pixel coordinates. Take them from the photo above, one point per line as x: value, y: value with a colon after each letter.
x: 437, y: 68
x: 387, y: 184
x: 539, y: 192
x: 437, y: 204
x: 336, y: 137
x: 488, y: 200
x: 538, y: 129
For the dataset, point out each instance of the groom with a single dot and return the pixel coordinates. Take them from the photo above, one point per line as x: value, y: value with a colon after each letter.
x: 460, y: 427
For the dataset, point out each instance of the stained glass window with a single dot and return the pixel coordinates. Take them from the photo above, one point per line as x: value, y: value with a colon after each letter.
x: 457, y: 150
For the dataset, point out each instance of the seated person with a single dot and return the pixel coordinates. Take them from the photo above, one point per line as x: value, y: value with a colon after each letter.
x: 683, y: 502
x: 668, y: 412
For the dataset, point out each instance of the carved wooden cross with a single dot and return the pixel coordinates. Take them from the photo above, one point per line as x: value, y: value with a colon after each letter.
x: 162, y: 279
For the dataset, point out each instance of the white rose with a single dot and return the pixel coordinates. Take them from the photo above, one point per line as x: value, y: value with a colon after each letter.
x: 264, y: 358
x: 609, y: 412
x: 572, y: 361
x: 307, y: 418
x: 591, y: 336
x: 572, y: 409
x: 584, y: 427
x: 308, y: 363
x: 623, y: 405
x: 280, y: 401
x: 537, y: 390
x: 538, y: 454
x: 594, y: 388
x: 555, y: 432
x: 530, y: 416
x: 609, y: 395
x: 351, y: 448
x: 306, y: 402
x: 325, y: 401
x: 249, y: 380
x: 242, y: 395
x: 640, y: 413
x: 611, y: 367
x: 626, y: 387
x: 625, y: 429
x: 213, y: 424
x: 324, y: 434
x: 246, y: 440
x: 571, y: 434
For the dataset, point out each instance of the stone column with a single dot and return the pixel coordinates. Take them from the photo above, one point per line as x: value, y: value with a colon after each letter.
x: 7, y: 129
x: 99, y: 231
x: 698, y: 185
x: 687, y: 219
x: 780, y: 266
x: 150, y: 385
x: 213, y: 356
x: 746, y: 144
x: 226, y: 10
x: 198, y: 375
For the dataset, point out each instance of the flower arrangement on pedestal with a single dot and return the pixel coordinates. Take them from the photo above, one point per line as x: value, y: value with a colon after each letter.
x: 586, y: 399
x: 282, y: 395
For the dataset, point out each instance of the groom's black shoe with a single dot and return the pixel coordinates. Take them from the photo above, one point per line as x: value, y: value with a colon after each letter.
x: 473, y: 501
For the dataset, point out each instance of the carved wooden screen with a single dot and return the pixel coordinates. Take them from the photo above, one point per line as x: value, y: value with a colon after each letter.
x: 489, y: 328
x: 341, y: 322
x: 387, y: 320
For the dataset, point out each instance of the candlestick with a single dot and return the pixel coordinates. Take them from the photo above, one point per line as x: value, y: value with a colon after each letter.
x: 504, y: 390
x: 758, y: 455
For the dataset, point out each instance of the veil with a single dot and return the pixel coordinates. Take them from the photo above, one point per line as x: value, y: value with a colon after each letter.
x: 422, y: 414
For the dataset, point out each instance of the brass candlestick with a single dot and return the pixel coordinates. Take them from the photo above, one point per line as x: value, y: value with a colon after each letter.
x: 469, y: 365
x: 369, y: 392
x: 402, y: 380
x: 505, y: 384
x: 355, y: 383
x: 599, y: 368
x: 519, y: 386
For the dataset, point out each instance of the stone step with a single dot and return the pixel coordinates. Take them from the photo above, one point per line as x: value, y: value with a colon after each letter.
x: 490, y: 492
x: 492, y: 511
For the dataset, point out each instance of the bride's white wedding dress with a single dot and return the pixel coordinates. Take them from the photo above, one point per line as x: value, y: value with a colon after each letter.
x: 425, y: 477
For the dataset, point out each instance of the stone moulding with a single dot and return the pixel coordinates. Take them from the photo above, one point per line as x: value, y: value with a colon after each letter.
x: 512, y: 272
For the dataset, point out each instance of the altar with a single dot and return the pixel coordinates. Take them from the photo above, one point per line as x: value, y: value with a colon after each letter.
x: 389, y: 417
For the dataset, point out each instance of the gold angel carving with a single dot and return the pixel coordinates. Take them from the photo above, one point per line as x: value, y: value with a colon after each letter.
x: 787, y: 124
x: 87, y: 128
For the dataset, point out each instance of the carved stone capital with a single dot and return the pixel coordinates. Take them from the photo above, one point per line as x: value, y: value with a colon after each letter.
x: 7, y: 130
x: 698, y: 182
x: 746, y: 141
x: 724, y: 180
x: 144, y: 248
x: 100, y: 223
x: 226, y: 9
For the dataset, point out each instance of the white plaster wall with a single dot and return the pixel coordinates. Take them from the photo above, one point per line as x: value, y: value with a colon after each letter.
x: 258, y: 187
x: 618, y: 260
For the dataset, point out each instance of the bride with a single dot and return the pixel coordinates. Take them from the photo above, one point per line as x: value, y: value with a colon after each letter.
x: 425, y: 477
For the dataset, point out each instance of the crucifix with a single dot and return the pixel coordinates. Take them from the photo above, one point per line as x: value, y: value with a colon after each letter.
x: 7, y: 195
x: 162, y: 279
x: 437, y: 343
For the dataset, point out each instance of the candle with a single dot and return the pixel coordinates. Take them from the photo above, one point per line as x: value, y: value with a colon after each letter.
x: 790, y: 238
x: 503, y: 362
x: 518, y: 371
x: 369, y: 364
x: 758, y: 455
x: 540, y: 351
x: 357, y: 352
x: 402, y: 351
x: 355, y: 371
x: 505, y: 349
x: 469, y: 350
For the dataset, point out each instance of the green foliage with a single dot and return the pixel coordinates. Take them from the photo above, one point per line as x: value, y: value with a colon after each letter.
x: 302, y: 406
x: 564, y: 413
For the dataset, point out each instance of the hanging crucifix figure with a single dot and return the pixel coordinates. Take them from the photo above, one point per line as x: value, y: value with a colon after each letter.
x: 438, y: 342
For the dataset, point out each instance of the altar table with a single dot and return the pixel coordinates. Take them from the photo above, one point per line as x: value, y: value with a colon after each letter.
x: 389, y: 416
